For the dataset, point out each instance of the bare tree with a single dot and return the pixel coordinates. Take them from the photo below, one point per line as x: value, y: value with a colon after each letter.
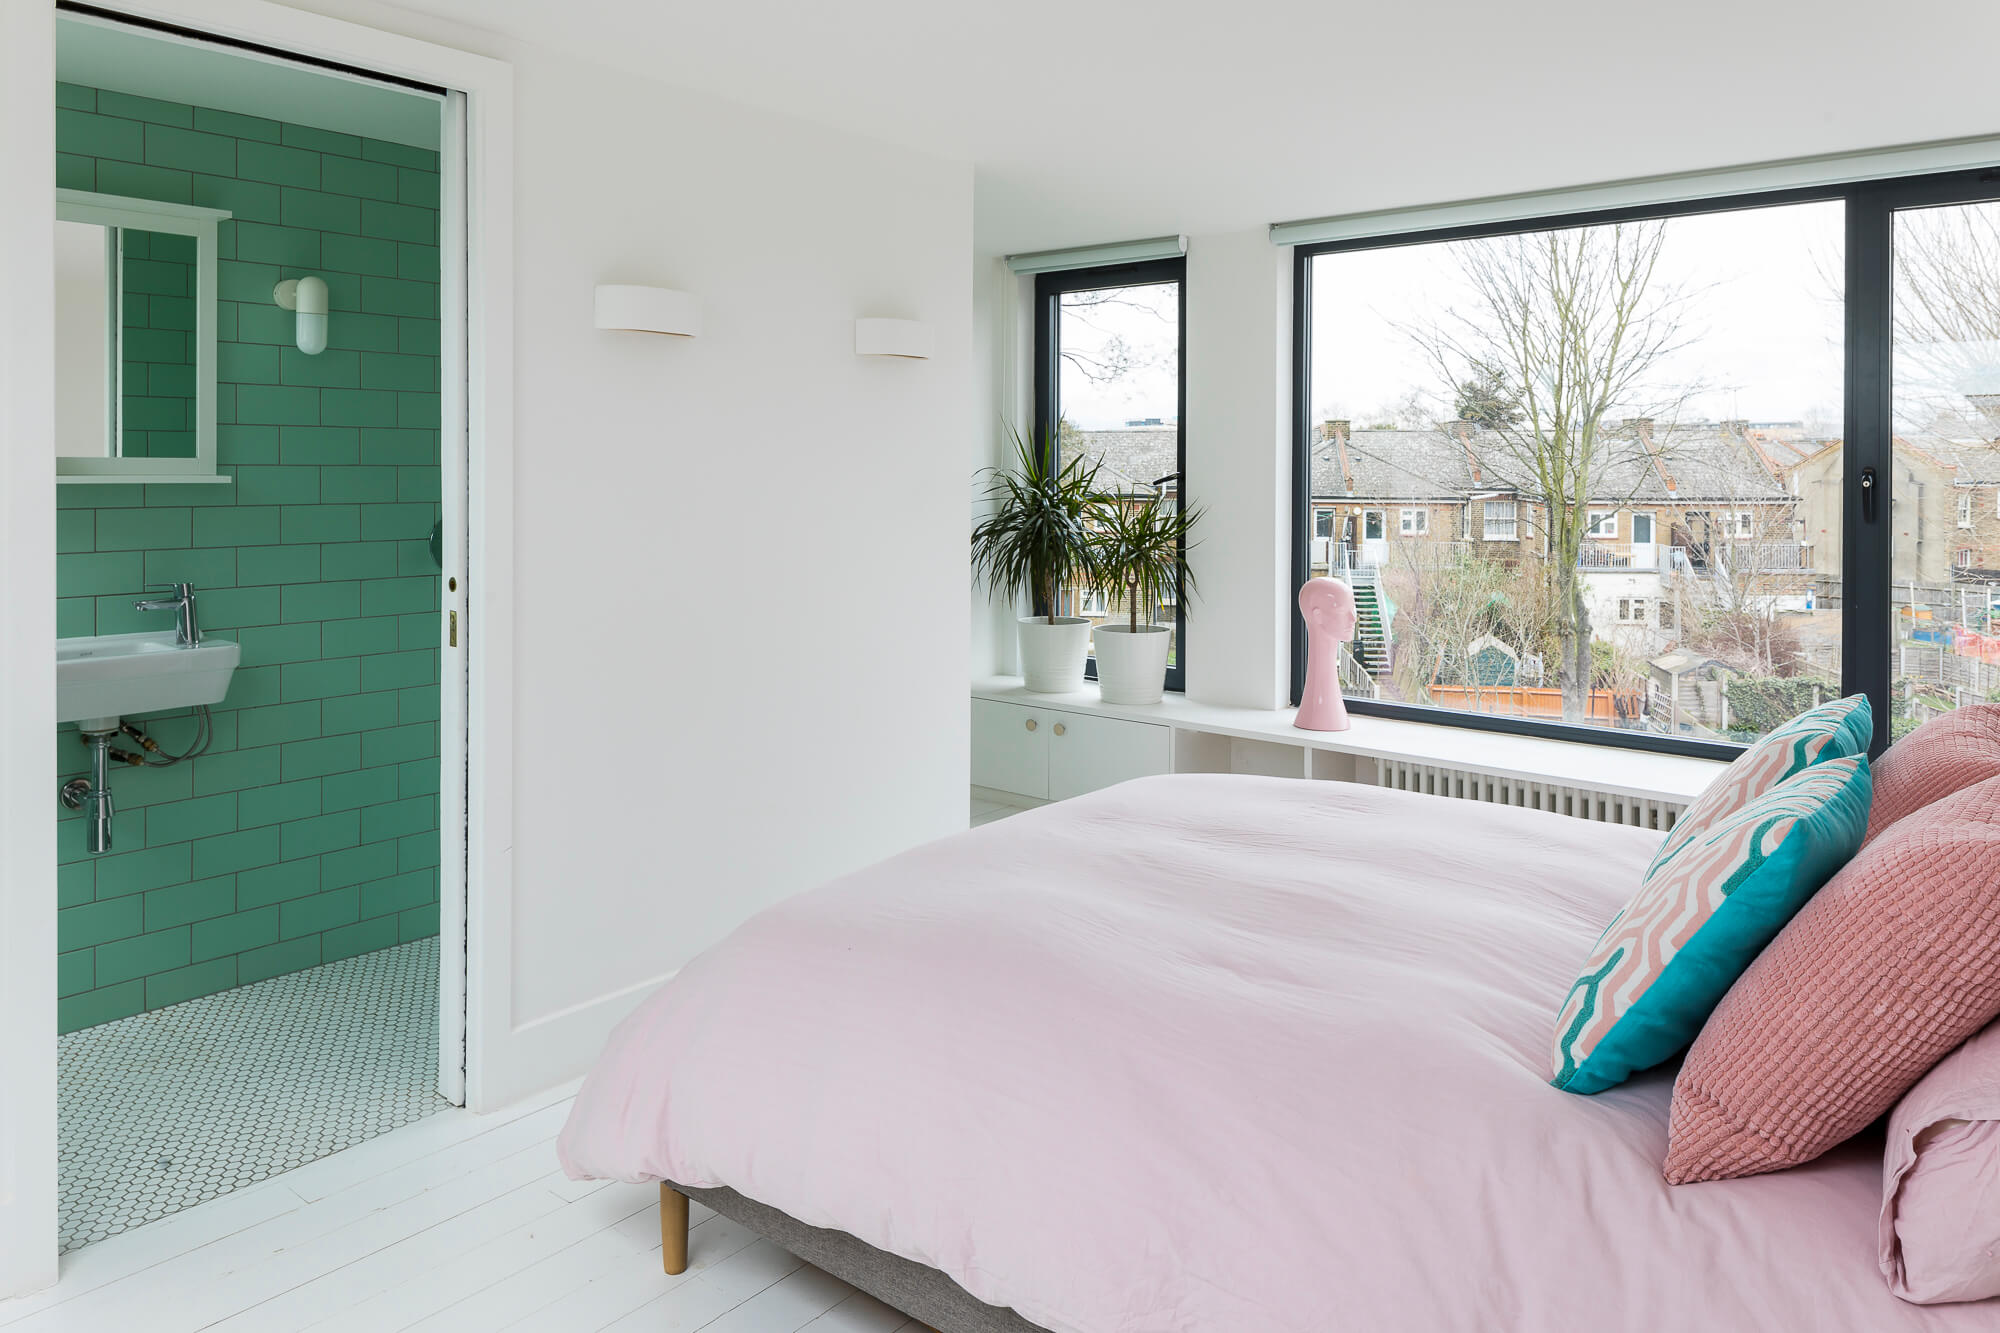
x: 1110, y: 355
x: 1947, y: 299
x: 1575, y: 325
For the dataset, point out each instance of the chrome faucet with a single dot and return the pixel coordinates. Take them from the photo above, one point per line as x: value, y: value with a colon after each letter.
x: 187, y: 630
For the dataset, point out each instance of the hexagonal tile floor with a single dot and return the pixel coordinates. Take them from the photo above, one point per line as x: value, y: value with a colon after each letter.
x: 165, y: 1110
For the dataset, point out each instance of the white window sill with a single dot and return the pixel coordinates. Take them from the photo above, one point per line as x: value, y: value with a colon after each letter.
x: 1639, y: 773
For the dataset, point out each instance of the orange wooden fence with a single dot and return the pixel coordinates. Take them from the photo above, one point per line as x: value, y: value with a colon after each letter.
x: 1533, y: 701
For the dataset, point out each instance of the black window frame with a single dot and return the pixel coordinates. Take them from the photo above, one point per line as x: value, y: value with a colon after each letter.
x: 1867, y: 540
x: 1050, y: 288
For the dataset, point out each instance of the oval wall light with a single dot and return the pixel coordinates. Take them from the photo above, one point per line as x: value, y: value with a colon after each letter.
x: 307, y: 296
x: 648, y: 310
x: 910, y: 338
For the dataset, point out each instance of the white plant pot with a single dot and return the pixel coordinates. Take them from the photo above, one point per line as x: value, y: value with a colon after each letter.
x: 1132, y: 664
x: 1052, y: 656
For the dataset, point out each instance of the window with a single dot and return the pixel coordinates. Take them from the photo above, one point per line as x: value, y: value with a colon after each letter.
x: 1963, y: 559
x: 1109, y: 385
x: 1371, y: 525
x: 1734, y: 470
x: 1323, y: 523
x: 1415, y: 522
x: 1965, y: 509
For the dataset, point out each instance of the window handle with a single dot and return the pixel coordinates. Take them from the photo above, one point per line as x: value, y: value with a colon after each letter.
x: 1868, y: 495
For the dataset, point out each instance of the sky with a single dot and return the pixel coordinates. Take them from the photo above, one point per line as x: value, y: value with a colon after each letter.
x: 1761, y: 327
x: 1145, y: 323
x: 1762, y: 323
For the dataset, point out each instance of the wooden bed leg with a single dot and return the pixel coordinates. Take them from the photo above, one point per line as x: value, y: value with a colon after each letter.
x: 673, y: 1229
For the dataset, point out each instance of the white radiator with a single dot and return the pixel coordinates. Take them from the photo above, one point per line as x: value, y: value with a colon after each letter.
x: 1580, y: 802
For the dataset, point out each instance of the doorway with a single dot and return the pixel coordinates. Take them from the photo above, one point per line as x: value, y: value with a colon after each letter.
x: 261, y: 954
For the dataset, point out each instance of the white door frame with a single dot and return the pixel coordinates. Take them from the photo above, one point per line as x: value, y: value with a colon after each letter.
x: 476, y: 721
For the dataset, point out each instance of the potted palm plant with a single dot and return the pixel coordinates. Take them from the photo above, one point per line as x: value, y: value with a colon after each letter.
x: 1141, y: 558
x: 1039, y: 540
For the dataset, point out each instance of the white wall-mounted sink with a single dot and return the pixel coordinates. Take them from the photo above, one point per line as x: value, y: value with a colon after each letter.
x: 103, y: 677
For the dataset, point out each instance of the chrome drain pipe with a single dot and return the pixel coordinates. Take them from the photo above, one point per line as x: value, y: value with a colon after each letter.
x: 92, y: 795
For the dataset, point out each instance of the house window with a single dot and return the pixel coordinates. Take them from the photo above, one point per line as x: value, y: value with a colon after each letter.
x: 1642, y: 529
x: 1666, y: 614
x: 1110, y: 385
x: 1500, y: 524
x: 1415, y: 522
x: 1965, y: 509
x: 1371, y: 525
x: 1741, y: 524
x: 1323, y: 524
x: 1632, y: 610
x: 1964, y: 557
x: 1603, y: 523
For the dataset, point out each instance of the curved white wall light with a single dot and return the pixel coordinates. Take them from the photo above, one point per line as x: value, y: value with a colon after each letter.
x: 307, y: 296
x: 910, y: 338
x: 648, y: 310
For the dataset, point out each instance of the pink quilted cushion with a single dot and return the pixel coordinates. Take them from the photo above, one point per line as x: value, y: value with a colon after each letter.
x: 1893, y: 963
x: 1941, y: 1181
x: 1944, y: 755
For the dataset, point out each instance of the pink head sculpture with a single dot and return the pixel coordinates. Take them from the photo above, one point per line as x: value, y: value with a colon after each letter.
x: 1328, y: 608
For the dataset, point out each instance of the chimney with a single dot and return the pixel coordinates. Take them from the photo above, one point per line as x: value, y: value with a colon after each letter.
x: 1463, y: 429
x: 1643, y: 428
x: 1335, y: 432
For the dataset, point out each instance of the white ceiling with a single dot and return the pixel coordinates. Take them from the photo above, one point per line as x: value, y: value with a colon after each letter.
x: 145, y: 64
x: 1099, y: 120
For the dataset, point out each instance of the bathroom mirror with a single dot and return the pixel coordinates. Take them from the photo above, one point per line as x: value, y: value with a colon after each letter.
x: 134, y: 339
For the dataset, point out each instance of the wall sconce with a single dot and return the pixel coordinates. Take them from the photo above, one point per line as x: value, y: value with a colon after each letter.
x: 648, y: 310
x: 894, y: 337
x: 307, y: 296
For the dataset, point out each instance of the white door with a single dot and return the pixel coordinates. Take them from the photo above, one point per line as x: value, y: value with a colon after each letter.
x: 1644, y: 554
x: 1010, y: 748
x: 1087, y: 752
x: 1374, y: 537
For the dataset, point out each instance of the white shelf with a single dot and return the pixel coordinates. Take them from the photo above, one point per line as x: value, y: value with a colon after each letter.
x: 1638, y: 773
x: 142, y: 479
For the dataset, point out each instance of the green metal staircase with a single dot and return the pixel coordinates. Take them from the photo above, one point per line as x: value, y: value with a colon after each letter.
x: 1371, y: 635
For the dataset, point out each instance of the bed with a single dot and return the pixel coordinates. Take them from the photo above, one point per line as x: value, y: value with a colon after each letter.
x: 1203, y: 1053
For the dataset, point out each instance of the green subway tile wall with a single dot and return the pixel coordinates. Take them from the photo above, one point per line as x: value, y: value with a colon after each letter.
x: 309, y: 831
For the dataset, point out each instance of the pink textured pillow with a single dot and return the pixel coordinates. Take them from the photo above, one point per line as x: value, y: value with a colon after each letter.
x: 1941, y: 1180
x: 1891, y: 965
x: 1946, y: 754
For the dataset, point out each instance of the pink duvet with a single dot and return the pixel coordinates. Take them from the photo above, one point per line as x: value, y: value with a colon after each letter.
x: 1226, y: 1054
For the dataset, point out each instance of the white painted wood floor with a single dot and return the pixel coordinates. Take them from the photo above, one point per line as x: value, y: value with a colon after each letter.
x: 455, y: 1222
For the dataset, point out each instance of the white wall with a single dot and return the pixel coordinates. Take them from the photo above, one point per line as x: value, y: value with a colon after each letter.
x: 27, y: 663
x: 1239, y: 339
x: 1002, y: 402
x: 741, y: 638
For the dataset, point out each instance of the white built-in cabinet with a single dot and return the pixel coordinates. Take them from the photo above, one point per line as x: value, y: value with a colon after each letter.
x: 1052, y: 754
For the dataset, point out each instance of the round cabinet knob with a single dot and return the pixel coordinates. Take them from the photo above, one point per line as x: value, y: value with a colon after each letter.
x: 1060, y: 728
x: 1031, y: 724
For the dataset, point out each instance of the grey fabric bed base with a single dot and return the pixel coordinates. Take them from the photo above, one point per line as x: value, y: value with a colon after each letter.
x: 916, y: 1289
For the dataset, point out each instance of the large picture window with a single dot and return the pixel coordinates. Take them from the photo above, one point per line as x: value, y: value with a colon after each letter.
x: 1705, y: 465
x: 1109, y: 386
